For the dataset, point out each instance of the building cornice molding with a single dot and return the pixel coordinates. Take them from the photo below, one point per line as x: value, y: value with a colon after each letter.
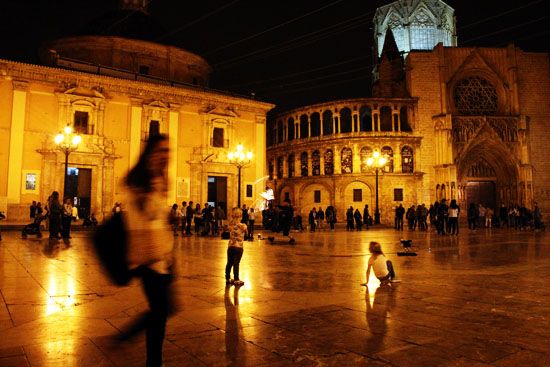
x: 131, y: 88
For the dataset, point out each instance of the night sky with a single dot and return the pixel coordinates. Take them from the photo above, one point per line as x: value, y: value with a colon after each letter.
x: 291, y: 53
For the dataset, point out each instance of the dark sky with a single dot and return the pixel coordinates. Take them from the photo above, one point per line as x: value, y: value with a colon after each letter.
x: 290, y: 53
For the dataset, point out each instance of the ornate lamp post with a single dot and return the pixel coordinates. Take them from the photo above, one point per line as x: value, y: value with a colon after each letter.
x: 240, y: 159
x: 67, y: 142
x: 377, y: 162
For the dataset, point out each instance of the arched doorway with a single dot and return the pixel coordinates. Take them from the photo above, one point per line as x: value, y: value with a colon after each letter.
x: 488, y: 175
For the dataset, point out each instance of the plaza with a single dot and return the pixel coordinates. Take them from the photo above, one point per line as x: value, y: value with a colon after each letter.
x: 477, y: 299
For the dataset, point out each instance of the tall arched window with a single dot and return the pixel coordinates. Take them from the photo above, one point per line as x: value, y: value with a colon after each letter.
x: 365, y: 115
x: 329, y: 162
x: 280, y: 163
x: 315, y: 163
x: 405, y: 126
x: 407, y: 163
x: 279, y: 132
x: 303, y: 164
x: 304, y: 127
x: 291, y: 160
x: 271, y: 169
x: 388, y: 152
x: 328, y: 123
x: 385, y: 119
x: 290, y: 128
x: 315, y: 119
x: 364, y: 153
x: 345, y: 120
x: 347, y: 160
x: 475, y: 96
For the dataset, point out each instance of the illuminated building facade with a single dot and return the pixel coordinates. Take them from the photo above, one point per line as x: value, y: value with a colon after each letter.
x: 459, y: 123
x: 115, y: 90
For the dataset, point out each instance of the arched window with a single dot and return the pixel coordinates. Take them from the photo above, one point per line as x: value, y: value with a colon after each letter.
x: 407, y: 163
x: 291, y: 160
x: 315, y: 163
x: 345, y: 120
x: 279, y: 132
x: 365, y: 115
x: 290, y: 128
x: 280, y: 163
x: 385, y: 119
x: 347, y: 160
x: 475, y: 96
x: 304, y: 127
x: 303, y: 164
x: 315, y: 119
x: 404, y: 119
x: 329, y: 162
x: 328, y: 123
x: 388, y: 152
x: 364, y: 153
x: 271, y: 169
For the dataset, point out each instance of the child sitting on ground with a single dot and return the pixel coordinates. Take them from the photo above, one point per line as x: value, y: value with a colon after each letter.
x: 383, y: 268
x: 238, y: 231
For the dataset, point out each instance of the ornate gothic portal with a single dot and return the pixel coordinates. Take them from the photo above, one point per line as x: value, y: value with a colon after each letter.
x: 487, y: 174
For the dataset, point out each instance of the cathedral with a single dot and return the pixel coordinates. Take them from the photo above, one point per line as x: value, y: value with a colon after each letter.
x: 114, y: 86
x: 464, y: 123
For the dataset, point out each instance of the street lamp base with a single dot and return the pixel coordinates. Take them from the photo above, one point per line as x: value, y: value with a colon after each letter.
x: 377, y: 217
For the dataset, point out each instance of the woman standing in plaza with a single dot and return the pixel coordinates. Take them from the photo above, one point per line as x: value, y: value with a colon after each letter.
x: 55, y: 211
x: 150, y: 242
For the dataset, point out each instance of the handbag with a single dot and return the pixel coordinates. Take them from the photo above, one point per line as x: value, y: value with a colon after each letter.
x: 110, y: 244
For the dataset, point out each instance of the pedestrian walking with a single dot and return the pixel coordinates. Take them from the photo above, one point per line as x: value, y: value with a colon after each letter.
x: 150, y: 243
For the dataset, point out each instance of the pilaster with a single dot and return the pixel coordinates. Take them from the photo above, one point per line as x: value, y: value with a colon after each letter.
x: 17, y: 131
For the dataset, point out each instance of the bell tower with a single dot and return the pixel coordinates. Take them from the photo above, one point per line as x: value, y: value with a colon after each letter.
x: 136, y: 5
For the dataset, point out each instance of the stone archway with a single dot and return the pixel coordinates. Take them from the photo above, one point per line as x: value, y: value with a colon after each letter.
x: 488, y: 173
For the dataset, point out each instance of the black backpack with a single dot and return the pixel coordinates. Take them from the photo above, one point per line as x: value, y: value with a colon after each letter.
x: 110, y: 244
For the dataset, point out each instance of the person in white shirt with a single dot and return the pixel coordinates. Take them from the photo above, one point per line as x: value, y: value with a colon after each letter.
x: 382, y: 267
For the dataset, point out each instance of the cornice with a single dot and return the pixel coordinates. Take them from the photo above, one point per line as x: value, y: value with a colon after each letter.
x: 131, y: 88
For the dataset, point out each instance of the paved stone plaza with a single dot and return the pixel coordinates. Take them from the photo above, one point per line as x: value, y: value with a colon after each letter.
x: 480, y: 299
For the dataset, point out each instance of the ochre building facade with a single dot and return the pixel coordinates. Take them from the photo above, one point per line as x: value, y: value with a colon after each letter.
x: 146, y: 88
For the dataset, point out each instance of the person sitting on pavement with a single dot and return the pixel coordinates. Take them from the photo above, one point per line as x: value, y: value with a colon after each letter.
x: 383, y: 268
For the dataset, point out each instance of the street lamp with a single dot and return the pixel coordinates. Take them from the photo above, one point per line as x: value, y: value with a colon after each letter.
x: 240, y: 159
x: 67, y: 142
x: 377, y: 162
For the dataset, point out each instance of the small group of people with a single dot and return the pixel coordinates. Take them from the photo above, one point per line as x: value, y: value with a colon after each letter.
x: 443, y: 218
x: 207, y: 220
x: 514, y: 216
x: 58, y: 216
x: 356, y: 220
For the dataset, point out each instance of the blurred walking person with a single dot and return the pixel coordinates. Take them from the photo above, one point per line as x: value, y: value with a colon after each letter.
x: 150, y: 243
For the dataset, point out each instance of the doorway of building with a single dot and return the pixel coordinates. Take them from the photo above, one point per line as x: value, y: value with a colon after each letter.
x: 79, y: 189
x: 481, y: 192
x: 217, y: 191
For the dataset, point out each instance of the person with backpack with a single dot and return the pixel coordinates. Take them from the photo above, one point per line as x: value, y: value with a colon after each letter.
x: 238, y: 231
x: 150, y: 243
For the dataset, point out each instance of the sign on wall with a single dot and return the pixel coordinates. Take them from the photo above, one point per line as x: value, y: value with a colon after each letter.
x: 30, y: 182
x: 182, y: 187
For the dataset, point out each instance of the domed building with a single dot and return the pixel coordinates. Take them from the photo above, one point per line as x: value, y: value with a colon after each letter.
x: 462, y: 123
x: 115, y: 85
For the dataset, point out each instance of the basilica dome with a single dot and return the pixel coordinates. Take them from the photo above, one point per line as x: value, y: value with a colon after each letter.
x: 125, y: 43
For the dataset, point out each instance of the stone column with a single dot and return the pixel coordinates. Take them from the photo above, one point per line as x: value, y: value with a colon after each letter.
x: 356, y: 159
x: 17, y: 131
x: 321, y: 163
x: 397, y: 164
x: 309, y: 163
x: 297, y: 164
x: 375, y: 120
x: 285, y: 167
x: 308, y: 126
x: 173, y: 133
x: 337, y: 159
x: 135, y: 132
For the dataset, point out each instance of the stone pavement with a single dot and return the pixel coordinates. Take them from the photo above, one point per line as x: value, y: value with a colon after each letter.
x: 479, y: 299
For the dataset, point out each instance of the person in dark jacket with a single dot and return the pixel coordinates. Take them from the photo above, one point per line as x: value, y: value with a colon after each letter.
x: 358, y: 219
x: 55, y: 212
x: 366, y: 216
x: 349, y: 219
